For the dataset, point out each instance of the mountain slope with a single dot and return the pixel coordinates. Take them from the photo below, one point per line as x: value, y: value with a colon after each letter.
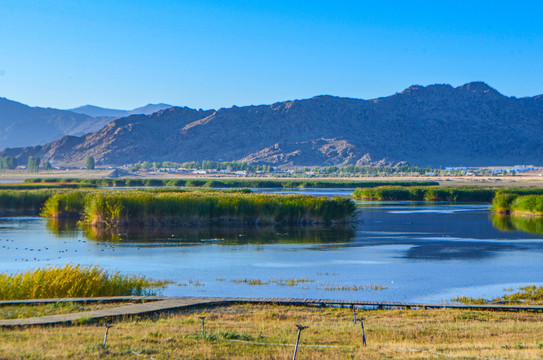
x: 22, y: 125
x: 435, y: 125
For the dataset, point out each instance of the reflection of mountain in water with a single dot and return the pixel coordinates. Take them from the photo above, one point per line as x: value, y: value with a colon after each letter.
x: 219, y: 235
x: 532, y: 225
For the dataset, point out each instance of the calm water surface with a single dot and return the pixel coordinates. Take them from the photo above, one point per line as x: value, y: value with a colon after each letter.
x: 410, y: 251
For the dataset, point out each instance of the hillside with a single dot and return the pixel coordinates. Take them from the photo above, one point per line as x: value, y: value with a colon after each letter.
x: 436, y: 125
x: 22, y: 125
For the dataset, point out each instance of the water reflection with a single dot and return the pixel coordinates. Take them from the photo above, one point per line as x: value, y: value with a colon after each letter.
x: 219, y: 235
x: 532, y: 225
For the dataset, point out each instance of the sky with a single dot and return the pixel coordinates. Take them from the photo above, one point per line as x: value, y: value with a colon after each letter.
x: 213, y: 54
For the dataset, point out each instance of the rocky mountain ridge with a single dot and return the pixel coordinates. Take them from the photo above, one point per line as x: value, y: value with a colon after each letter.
x: 436, y: 125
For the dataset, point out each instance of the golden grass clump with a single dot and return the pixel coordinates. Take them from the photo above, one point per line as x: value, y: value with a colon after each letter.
x: 73, y: 281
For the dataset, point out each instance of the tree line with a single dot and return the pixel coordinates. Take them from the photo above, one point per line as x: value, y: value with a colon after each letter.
x: 32, y: 164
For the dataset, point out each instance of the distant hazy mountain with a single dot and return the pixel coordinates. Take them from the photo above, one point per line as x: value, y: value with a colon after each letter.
x: 22, y: 125
x: 96, y: 111
x: 434, y: 125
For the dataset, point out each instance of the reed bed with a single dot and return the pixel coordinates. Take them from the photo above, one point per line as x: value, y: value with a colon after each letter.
x: 437, y: 193
x: 23, y: 201
x: 141, y: 208
x: 41, y: 186
x: 507, y: 203
x: 233, y: 183
x: 74, y: 281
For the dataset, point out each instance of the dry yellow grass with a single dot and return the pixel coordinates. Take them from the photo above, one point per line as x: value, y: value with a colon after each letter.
x: 391, y: 334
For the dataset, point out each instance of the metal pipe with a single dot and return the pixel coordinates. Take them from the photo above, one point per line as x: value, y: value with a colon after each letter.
x: 300, y: 328
x: 363, y: 331
x: 105, y: 336
x: 203, y: 323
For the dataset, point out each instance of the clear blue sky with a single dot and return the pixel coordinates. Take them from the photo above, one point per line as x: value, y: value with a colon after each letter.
x: 211, y: 54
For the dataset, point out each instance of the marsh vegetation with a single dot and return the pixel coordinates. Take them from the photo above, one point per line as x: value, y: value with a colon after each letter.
x: 439, y: 193
x: 126, y: 208
x: 73, y: 281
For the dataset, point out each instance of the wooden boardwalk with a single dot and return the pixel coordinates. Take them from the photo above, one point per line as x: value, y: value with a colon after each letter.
x: 154, y: 305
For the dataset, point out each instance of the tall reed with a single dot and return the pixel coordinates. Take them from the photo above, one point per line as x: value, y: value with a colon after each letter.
x: 525, y: 204
x: 134, y: 207
x: 437, y: 193
x: 74, y: 281
x: 23, y: 201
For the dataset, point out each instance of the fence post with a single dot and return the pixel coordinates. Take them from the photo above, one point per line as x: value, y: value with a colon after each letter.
x: 203, y: 323
x: 354, y: 314
x: 363, y: 331
x: 300, y: 328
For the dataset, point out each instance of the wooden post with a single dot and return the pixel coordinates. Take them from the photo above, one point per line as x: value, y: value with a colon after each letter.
x: 354, y: 314
x: 300, y: 328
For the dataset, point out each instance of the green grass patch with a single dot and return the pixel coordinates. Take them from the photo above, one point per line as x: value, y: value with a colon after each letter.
x: 511, y: 203
x: 438, y: 193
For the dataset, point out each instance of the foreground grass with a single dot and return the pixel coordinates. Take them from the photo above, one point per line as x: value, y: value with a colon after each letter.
x: 394, y: 334
x: 73, y: 281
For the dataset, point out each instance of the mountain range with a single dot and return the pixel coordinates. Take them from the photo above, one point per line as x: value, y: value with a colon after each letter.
x: 22, y: 125
x: 96, y: 111
x: 436, y: 125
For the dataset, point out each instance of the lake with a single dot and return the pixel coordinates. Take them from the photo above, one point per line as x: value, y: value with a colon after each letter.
x: 396, y: 251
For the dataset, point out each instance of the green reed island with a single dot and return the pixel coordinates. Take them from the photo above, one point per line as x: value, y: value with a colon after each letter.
x: 438, y: 193
x: 194, y: 208
x: 515, y: 204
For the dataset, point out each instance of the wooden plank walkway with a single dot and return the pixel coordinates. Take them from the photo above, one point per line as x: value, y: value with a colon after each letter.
x: 153, y: 305
x: 104, y: 299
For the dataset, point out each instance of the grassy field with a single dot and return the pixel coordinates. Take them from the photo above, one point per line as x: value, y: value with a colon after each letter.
x: 267, y: 332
